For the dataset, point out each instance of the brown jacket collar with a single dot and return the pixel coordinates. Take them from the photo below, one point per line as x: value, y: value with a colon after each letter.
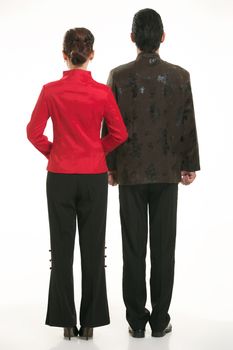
x: 148, y: 56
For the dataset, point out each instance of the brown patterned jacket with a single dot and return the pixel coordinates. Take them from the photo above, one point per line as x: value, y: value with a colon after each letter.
x: 155, y: 100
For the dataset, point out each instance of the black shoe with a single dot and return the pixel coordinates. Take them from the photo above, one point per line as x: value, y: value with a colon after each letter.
x: 158, y: 334
x: 70, y: 332
x: 137, y: 333
x: 86, y: 332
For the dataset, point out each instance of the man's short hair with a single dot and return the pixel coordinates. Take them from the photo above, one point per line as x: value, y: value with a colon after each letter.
x: 147, y: 29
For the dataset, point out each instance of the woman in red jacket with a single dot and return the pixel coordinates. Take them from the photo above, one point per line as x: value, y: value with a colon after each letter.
x: 77, y: 182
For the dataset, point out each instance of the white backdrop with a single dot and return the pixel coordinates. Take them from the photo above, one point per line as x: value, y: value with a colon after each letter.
x: 199, y: 38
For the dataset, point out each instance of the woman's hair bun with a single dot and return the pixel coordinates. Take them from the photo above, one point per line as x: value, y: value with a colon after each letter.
x: 77, y: 57
x: 78, y: 45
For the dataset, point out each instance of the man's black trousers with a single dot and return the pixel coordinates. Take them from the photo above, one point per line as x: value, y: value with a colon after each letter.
x: 160, y: 200
x: 81, y: 198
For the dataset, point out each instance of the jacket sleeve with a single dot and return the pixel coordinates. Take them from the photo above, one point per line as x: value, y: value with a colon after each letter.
x: 190, y: 149
x: 111, y: 157
x: 37, y: 124
x: 117, y: 132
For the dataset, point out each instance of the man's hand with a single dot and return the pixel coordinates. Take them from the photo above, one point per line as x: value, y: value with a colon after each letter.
x: 187, y: 177
x: 112, y: 178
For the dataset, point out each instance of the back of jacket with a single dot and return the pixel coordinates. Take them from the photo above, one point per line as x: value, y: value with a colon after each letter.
x: 155, y: 100
x: 77, y: 104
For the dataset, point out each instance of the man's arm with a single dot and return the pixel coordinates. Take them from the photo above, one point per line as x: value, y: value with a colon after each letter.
x: 190, y: 150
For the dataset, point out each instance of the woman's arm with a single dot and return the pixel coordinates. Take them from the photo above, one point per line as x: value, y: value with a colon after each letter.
x: 37, y: 124
x: 117, y: 132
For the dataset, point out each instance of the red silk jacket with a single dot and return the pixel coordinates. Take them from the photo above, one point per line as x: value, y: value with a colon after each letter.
x: 77, y: 105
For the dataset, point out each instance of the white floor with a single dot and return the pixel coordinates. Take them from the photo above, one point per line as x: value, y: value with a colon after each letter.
x: 22, y: 329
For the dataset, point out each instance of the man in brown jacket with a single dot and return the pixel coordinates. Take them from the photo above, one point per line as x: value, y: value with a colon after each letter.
x: 156, y: 103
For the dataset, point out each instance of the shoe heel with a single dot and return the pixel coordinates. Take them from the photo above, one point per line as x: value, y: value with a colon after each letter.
x: 67, y: 333
x: 86, y: 333
x: 70, y: 332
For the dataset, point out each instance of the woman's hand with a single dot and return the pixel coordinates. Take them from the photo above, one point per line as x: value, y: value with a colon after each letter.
x: 112, y: 178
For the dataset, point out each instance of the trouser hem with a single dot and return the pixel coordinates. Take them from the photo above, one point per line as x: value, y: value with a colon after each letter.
x: 94, y: 325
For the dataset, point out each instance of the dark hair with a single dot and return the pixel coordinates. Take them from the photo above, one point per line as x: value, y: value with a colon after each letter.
x: 78, y: 44
x: 147, y: 29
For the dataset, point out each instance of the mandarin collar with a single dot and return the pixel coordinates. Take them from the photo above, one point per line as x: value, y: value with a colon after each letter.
x: 77, y: 72
x: 151, y: 56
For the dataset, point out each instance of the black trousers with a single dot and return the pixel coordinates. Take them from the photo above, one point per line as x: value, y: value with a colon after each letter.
x: 82, y: 197
x: 135, y: 200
